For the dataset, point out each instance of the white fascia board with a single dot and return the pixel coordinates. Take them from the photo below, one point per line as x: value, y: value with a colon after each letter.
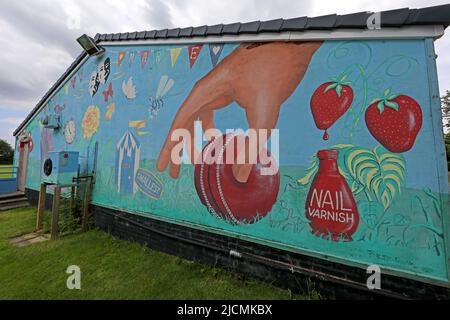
x: 407, y: 32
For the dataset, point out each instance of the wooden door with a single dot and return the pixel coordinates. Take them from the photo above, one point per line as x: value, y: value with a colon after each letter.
x: 23, y: 164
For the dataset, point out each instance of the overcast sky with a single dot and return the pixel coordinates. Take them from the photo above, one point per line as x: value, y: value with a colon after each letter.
x: 37, y: 37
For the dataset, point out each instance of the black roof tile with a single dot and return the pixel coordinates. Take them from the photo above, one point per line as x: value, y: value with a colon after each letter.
x: 322, y: 22
x: 394, y: 18
x: 173, y: 33
x: 199, y: 31
x: 214, y: 30
x: 161, y: 34
x: 354, y: 20
x: 140, y: 35
x: 232, y: 28
x: 132, y: 35
x: 438, y: 15
x: 186, y: 32
x: 150, y: 34
x: 295, y: 24
x: 431, y: 15
x: 249, y: 27
x: 271, y: 25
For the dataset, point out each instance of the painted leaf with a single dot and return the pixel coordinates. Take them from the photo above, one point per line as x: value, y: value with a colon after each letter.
x: 310, y: 172
x: 383, y: 173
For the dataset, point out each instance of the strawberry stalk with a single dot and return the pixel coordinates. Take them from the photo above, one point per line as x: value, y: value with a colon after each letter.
x: 338, y: 84
x: 386, y: 101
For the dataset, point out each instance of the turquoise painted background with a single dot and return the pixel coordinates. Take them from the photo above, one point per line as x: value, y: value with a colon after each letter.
x: 402, y: 233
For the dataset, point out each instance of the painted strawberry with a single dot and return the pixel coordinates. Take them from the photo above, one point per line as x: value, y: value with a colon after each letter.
x: 395, y: 121
x: 329, y: 102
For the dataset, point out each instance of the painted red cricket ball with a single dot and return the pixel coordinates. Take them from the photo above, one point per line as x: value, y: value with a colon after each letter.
x: 226, y: 197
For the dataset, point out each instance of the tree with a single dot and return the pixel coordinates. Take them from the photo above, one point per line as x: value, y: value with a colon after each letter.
x: 447, y: 148
x: 445, y: 107
x: 6, y: 152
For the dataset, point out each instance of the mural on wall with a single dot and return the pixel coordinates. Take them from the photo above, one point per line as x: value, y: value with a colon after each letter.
x: 394, y: 121
x: 227, y: 198
x: 129, y: 89
x: 330, y: 205
x: 91, y: 121
x: 127, y: 163
x: 329, y: 102
x: 70, y: 131
x: 352, y: 181
x: 157, y: 102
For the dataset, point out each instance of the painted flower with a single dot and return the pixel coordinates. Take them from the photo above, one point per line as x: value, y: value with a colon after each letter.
x: 91, y: 121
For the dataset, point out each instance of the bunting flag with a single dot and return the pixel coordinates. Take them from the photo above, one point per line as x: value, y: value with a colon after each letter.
x: 158, y: 56
x: 66, y: 89
x: 174, y: 54
x: 194, y: 52
x: 80, y: 75
x: 131, y: 58
x: 138, y: 125
x: 74, y: 79
x: 108, y: 93
x: 144, y: 57
x: 122, y: 55
x: 215, y: 50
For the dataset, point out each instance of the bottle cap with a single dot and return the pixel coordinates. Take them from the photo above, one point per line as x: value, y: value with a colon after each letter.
x: 328, y: 154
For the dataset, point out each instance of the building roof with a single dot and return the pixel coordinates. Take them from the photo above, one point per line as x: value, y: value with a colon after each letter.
x: 437, y: 15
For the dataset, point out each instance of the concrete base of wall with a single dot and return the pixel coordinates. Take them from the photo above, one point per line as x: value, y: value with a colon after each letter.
x: 299, y: 273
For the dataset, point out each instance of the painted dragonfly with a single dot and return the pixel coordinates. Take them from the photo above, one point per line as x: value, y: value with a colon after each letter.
x: 157, y: 102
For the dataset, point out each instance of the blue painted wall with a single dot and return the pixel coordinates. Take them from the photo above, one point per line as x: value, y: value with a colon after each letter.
x: 401, y: 219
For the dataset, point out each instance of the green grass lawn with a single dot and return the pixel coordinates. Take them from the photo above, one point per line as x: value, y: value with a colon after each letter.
x: 111, y: 269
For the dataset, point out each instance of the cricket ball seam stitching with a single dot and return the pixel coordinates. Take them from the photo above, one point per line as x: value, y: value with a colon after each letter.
x: 202, y: 184
x: 219, y: 186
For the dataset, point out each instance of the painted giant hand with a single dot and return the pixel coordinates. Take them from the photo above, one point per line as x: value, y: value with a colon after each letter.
x: 259, y: 78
